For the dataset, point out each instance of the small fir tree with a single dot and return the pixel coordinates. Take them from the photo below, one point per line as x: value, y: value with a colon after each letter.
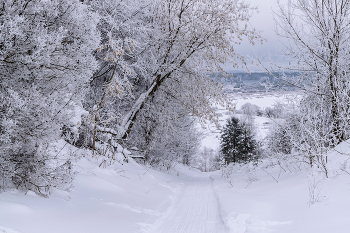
x: 237, y: 142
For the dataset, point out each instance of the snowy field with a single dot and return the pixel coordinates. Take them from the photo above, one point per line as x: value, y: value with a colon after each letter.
x: 263, y: 100
x: 131, y: 198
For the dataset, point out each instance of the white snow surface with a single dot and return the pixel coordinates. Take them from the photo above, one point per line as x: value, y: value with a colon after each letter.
x: 132, y: 198
x: 195, y: 209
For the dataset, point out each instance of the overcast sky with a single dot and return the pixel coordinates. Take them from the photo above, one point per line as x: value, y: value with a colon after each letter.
x: 262, y: 21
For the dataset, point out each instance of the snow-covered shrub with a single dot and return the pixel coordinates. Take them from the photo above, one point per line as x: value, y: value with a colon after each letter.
x: 305, y: 134
x: 249, y: 169
x: 314, y: 185
x: 278, y: 139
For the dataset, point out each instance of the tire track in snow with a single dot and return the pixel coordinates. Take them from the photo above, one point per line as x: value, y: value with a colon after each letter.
x: 196, y: 210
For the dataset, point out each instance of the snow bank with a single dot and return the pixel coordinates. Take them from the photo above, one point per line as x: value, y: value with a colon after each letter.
x: 270, y: 199
x: 119, y: 198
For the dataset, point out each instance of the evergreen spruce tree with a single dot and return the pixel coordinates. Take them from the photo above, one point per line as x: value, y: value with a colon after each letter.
x: 237, y: 142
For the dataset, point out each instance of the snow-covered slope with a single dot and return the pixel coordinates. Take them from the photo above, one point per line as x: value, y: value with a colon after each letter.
x: 132, y: 198
x: 120, y: 198
x: 257, y: 203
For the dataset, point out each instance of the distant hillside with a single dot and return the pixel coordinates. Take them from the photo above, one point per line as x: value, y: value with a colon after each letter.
x: 256, y: 82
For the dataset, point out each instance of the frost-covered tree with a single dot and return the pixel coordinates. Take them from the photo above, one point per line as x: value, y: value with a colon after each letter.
x: 161, y: 48
x: 123, y: 57
x: 237, y: 142
x: 318, y: 33
x: 249, y: 112
x: 309, y: 131
x: 302, y: 134
x: 46, y: 63
x: 278, y: 140
x: 165, y: 133
x: 192, y: 37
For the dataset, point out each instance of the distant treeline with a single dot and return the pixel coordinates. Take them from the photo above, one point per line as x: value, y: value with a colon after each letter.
x: 257, y: 82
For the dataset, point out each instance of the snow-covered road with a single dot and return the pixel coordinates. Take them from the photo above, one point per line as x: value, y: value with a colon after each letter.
x: 195, y: 209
